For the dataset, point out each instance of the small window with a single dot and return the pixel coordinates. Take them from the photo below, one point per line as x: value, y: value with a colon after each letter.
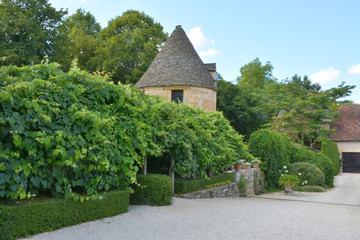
x: 177, y: 96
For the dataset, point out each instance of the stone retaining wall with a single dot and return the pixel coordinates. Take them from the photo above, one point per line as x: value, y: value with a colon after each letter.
x: 254, y: 176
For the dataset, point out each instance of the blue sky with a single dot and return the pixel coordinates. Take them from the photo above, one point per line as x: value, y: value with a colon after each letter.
x: 317, y: 38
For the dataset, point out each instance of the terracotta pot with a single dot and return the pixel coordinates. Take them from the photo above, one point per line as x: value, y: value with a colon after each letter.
x: 287, y: 188
x: 256, y: 165
x: 237, y: 167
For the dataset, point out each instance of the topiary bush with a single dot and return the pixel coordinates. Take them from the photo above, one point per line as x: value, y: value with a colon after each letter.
x: 274, y: 150
x: 153, y: 190
x: 330, y: 149
x: 309, y: 173
x: 301, y: 154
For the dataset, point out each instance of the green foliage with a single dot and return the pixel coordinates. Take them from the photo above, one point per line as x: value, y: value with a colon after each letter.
x: 304, y: 112
x: 300, y: 154
x: 309, y: 173
x: 77, y: 39
x: 128, y: 45
x: 152, y: 189
x: 309, y: 188
x: 239, y: 107
x: 243, y: 185
x: 28, y: 29
x: 28, y: 218
x: 64, y: 133
x: 330, y: 149
x: 274, y: 150
x: 288, y: 180
x: 185, y: 186
x: 255, y: 75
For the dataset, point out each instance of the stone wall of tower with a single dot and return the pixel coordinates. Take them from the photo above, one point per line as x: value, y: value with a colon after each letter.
x: 203, y: 98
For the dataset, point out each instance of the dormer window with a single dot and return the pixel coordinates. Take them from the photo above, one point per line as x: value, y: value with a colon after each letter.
x: 177, y: 96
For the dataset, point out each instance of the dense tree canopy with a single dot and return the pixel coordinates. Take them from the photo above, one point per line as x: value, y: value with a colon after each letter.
x: 301, y: 112
x: 239, y: 106
x: 128, y: 45
x: 27, y: 30
x: 256, y: 75
x: 257, y: 100
x: 77, y: 39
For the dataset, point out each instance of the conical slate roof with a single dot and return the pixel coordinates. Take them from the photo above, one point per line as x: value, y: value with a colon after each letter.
x: 177, y: 64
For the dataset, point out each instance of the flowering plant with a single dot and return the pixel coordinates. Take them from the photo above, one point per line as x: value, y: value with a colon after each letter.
x: 288, y: 179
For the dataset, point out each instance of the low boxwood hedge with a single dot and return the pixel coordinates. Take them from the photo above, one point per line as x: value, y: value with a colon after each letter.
x: 185, y: 186
x: 153, y: 190
x: 40, y: 215
x: 309, y: 188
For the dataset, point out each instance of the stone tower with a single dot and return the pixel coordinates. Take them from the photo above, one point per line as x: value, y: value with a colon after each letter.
x: 178, y: 74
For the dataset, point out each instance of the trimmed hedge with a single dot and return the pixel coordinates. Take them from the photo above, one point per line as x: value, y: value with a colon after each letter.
x: 185, y: 186
x: 154, y: 190
x: 274, y: 149
x: 300, y: 154
x: 309, y: 172
x: 330, y: 149
x: 36, y: 216
x: 309, y: 188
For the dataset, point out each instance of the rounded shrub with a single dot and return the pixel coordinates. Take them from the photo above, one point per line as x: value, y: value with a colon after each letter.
x: 309, y: 173
x: 274, y: 150
x: 300, y: 154
x: 153, y: 190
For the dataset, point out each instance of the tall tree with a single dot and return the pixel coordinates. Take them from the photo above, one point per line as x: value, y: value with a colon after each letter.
x: 78, y: 39
x: 27, y: 30
x: 304, y: 83
x: 255, y: 74
x: 128, y: 45
x: 302, y: 114
x: 239, y: 107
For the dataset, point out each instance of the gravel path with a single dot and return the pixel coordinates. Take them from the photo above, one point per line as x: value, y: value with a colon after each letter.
x: 271, y: 216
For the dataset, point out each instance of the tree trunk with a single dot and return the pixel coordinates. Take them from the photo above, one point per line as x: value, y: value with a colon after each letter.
x: 145, y: 166
x: 171, y: 172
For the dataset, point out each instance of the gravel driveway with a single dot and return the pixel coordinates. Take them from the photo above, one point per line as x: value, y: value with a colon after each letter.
x: 331, y: 215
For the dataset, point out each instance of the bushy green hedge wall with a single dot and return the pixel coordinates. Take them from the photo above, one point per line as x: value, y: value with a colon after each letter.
x: 309, y: 172
x: 153, y: 190
x: 36, y: 216
x: 301, y: 154
x: 330, y: 149
x: 67, y: 132
x: 185, y: 186
x: 274, y: 149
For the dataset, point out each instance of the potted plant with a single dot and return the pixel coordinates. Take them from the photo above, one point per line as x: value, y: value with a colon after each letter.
x: 288, y: 181
x: 256, y: 162
x: 247, y: 166
x: 238, y: 165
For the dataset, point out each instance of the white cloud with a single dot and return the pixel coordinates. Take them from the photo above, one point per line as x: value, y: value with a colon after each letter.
x: 354, y: 69
x: 198, y: 39
x: 357, y: 101
x: 325, y: 76
x: 209, y: 53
